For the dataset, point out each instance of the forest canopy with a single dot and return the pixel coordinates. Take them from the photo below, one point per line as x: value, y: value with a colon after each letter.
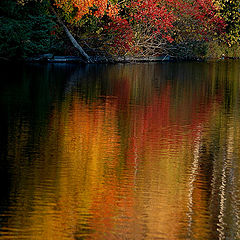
x: 179, y: 28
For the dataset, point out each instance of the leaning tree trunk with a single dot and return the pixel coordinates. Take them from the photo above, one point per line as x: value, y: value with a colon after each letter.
x: 72, y: 39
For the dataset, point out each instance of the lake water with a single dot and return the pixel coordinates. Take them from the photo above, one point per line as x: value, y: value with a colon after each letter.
x: 129, y: 152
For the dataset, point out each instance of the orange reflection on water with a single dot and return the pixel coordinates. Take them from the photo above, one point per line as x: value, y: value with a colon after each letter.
x: 121, y: 167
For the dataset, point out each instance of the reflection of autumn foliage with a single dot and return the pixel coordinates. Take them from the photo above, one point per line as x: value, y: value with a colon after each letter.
x: 125, y: 165
x: 93, y: 145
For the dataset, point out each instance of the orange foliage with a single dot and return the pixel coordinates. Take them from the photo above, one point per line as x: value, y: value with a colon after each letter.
x: 78, y: 8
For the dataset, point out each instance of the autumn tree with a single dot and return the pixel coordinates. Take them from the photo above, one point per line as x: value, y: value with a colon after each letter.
x: 136, y: 27
x: 141, y: 28
x: 197, y: 24
x: 196, y: 19
x: 153, y: 25
x: 74, y: 10
x: 229, y: 10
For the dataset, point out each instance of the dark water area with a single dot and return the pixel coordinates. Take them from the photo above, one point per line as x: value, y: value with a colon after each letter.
x: 134, y: 151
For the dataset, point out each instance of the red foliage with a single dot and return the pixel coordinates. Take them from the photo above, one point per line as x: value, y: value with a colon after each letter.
x: 201, y: 16
x: 121, y: 33
x: 151, y: 21
x: 154, y: 20
x: 155, y: 17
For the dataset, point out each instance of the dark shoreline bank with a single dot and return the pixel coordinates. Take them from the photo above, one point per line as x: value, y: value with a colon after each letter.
x: 50, y: 58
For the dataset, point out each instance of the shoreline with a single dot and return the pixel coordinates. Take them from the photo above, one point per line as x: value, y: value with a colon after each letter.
x: 50, y: 58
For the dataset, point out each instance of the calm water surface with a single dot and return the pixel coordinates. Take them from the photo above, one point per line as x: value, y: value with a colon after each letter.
x: 141, y: 151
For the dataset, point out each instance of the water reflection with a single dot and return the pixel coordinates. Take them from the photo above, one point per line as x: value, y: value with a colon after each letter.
x: 144, y: 151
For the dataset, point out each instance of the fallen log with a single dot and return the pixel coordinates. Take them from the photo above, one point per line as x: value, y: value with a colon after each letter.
x: 72, y: 39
